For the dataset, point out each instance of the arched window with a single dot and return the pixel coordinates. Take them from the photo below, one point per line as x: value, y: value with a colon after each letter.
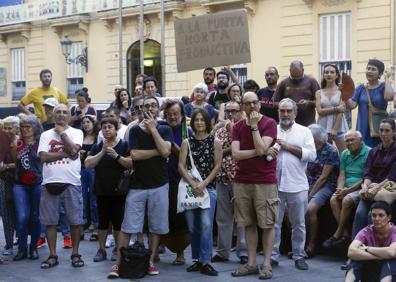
x: 152, y: 62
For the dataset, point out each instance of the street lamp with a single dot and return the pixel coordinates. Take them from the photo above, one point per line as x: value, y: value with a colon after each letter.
x: 81, y: 59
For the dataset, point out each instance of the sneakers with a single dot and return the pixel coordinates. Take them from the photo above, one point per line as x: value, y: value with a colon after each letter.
x: 207, y: 269
x: 109, y: 241
x: 196, y: 266
x: 113, y: 274
x: 301, y: 264
x: 67, y: 242
x: 8, y: 251
x: 152, y: 269
x: 114, y: 255
x: 41, y: 243
x: 101, y: 255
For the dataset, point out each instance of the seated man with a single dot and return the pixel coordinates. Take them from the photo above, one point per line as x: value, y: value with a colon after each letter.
x: 346, y: 197
x: 373, y: 251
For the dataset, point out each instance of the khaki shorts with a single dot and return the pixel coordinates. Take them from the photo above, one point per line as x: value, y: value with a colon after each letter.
x: 256, y: 204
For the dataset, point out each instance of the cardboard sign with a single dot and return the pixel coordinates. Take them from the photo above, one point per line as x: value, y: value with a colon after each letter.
x: 212, y: 40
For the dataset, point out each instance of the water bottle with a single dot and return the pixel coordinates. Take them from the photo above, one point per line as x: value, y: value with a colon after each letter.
x: 277, y: 147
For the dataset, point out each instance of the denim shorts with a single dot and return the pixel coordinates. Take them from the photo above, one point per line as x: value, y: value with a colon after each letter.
x: 157, y: 201
x: 70, y: 199
x: 323, y: 195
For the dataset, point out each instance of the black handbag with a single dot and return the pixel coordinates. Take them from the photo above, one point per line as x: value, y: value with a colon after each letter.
x: 56, y: 188
x: 134, y: 261
x: 124, y: 182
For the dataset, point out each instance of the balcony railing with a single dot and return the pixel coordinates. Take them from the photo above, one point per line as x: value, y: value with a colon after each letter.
x: 47, y: 9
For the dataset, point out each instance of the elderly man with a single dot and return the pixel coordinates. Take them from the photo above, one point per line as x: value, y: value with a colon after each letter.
x: 59, y: 151
x: 346, y: 197
x: 224, y: 189
x: 256, y: 196
x: 373, y: 251
x: 297, y: 148
x: 301, y: 89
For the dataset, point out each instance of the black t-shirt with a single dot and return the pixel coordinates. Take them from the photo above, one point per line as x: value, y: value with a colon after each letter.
x: 216, y: 99
x: 108, y: 171
x: 267, y: 105
x: 152, y: 172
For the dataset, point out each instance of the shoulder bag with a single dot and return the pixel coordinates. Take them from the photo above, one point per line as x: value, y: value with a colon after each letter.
x: 375, y: 116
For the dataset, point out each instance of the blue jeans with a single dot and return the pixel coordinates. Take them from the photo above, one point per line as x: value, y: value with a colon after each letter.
x: 87, y: 184
x: 361, y: 219
x: 200, y: 226
x: 27, y: 202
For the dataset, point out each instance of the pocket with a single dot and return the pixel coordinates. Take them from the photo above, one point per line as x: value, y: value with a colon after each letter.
x: 271, y: 210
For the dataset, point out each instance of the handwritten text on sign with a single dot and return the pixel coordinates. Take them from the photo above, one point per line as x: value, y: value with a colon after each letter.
x: 212, y: 40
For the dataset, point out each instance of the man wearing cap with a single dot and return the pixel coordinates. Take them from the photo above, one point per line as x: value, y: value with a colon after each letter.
x: 38, y: 95
x: 49, y: 105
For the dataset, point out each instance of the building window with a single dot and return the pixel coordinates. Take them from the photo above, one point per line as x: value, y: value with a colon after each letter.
x: 75, y: 72
x: 240, y: 72
x: 335, y: 41
x: 18, y: 73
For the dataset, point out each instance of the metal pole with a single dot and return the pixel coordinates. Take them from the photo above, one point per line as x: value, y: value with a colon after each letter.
x: 141, y: 36
x: 120, y: 41
x: 162, y: 48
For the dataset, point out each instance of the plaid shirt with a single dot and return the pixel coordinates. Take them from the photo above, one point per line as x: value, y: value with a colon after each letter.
x: 228, y: 165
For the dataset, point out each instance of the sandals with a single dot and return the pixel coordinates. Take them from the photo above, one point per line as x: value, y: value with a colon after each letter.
x: 50, y: 262
x: 76, y: 260
x: 245, y: 270
x: 179, y: 261
x: 94, y: 237
x: 3, y: 261
x: 265, y: 273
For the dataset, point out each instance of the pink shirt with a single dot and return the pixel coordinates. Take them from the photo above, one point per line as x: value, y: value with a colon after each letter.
x: 256, y: 170
x: 368, y: 238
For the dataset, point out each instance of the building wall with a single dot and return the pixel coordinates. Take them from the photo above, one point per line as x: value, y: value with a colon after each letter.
x: 280, y: 31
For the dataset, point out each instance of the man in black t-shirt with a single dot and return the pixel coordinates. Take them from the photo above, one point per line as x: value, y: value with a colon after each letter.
x: 220, y: 96
x: 266, y: 94
x: 150, y: 146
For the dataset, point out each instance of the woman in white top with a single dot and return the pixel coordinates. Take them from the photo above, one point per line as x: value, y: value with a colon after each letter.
x: 330, y: 107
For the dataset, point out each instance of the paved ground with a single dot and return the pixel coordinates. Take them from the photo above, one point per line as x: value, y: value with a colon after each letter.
x: 322, y: 269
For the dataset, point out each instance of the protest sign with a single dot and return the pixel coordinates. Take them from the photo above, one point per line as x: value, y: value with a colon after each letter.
x: 212, y: 40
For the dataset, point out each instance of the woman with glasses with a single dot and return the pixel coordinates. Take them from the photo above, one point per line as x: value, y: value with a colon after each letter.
x: 330, y: 107
x: 27, y: 186
x: 379, y: 93
x: 207, y: 155
x: 199, y: 92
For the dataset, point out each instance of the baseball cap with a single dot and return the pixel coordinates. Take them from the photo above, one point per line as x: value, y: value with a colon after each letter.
x: 52, y: 102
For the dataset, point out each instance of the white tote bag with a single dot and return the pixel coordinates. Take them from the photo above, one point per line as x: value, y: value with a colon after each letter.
x: 185, y: 197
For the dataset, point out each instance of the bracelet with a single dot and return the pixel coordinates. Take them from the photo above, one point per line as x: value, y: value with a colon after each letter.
x: 118, y: 157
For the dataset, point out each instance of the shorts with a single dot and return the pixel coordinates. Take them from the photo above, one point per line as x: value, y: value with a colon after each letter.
x: 70, y: 199
x: 373, y: 270
x: 323, y: 195
x: 256, y: 204
x: 355, y: 196
x: 110, y: 209
x: 157, y: 201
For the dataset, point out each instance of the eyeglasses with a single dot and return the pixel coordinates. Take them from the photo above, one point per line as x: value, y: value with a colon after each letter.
x: 222, y: 78
x: 233, y: 111
x: 153, y: 105
x: 285, y: 111
x: 248, y: 103
x: 350, y: 141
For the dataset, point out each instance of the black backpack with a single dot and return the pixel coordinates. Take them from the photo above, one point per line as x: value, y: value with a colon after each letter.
x: 134, y: 261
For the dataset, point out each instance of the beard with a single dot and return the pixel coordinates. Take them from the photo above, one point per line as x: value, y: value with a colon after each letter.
x: 222, y: 85
x: 208, y: 81
x: 286, y: 121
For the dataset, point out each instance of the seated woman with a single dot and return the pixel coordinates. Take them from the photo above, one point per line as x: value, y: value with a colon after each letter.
x: 322, y: 178
x: 346, y: 197
x: 373, y: 251
x: 380, y: 167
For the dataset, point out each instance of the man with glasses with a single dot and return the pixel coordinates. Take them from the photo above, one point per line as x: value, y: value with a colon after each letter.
x: 220, y: 96
x: 225, y: 195
x: 137, y: 104
x: 301, y: 89
x: 346, y: 197
x: 150, y: 146
x: 255, y: 192
x: 297, y: 148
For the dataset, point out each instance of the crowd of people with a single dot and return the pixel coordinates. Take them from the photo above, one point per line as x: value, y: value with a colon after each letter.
x: 264, y: 155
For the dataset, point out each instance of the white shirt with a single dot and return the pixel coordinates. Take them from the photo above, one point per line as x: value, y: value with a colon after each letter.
x: 65, y: 170
x: 120, y: 133
x: 290, y: 170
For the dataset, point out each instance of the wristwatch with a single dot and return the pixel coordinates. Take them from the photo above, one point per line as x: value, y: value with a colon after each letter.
x: 254, y: 128
x: 118, y: 157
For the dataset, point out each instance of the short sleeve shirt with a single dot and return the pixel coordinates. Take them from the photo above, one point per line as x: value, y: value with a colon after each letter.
x: 265, y: 96
x: 328, y: 155
x: 64, y: 170
x: 368, y: 238
x: 37, y: 97
x: 153, y: 172
x: 353, y: 166
x: 256, y: 170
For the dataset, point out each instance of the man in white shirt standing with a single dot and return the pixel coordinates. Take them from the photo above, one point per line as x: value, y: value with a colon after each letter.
x: 59, y: 152
x: 292, y: 159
